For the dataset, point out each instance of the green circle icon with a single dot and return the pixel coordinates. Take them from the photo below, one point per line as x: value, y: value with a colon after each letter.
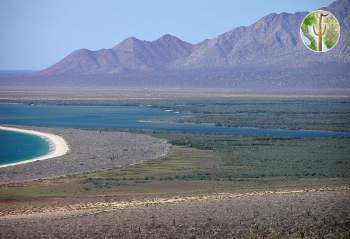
x: 320, y: 31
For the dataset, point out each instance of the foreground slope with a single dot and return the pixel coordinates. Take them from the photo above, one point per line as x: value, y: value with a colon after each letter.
x: 313, y: 214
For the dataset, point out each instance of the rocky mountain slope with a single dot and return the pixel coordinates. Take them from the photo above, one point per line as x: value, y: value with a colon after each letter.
x: 131, y: 54
x: 268, y: 54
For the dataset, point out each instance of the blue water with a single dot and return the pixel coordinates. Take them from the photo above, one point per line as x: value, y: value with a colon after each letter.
x: 16, y: 146
x: 129, y: 117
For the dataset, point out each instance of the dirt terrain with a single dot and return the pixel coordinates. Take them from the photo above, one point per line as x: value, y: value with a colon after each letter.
x: 70, y: 94
x: 317, y: 213
x: 112, y: 189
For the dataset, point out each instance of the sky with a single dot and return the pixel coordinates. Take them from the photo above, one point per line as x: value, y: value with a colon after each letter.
x: 36, y: 34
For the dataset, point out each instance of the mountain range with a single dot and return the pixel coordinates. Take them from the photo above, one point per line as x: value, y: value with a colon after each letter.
x: 131, y: 54
x: 268, y: 53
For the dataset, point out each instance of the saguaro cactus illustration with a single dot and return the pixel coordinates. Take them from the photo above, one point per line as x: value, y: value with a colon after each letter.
x: 309, y: 21
x: 320, y: 32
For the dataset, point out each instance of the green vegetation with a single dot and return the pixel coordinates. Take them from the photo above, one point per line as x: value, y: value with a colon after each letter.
x: 310, y: 115
x: 25, y: 192
x: 309, y: 21
x: 201, y: 163
x: 208, y: 163
x: 332, y: 34
x: 180, y: 163
x: 259, y: 157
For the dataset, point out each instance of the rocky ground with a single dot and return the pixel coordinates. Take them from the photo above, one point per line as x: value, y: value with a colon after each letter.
x: 293, y: 214
x: 315, y: 211
x: 90, y: 150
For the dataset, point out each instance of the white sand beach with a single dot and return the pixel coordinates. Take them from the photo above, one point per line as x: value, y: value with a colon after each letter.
x: 58, y: 146
x: 89, y: 151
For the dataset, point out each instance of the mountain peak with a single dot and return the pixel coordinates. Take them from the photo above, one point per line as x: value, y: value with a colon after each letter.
x: 170, y: 40
x: 168, y: 37
x: 128, y: 44
x: 271, y: 42
x: 340, y: 9
x: 131, y: 39
x: 82, y: 51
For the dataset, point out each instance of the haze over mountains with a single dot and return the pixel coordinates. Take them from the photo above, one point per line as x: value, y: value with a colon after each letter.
x: 268, y: 53
x: 131, y: 54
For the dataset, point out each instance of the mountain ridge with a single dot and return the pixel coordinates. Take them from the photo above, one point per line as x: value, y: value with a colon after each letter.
x: 267, y: 53
x: 130, y: 54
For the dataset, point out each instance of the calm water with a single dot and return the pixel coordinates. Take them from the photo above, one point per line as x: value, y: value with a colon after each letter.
x: 16, y: 146
x: 135, y: 117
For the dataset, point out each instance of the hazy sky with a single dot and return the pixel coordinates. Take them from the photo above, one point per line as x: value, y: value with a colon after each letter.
x: 35, y: 34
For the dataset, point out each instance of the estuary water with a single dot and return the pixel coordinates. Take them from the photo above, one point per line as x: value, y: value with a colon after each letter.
x: 129, y: 117
x: 16, y: 147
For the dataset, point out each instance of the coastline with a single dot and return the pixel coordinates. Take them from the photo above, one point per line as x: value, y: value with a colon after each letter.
x: 89, y: 151
x: 58, y: 146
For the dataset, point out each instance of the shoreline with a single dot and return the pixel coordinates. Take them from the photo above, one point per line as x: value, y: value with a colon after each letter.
x: 89, y: 151
x: 57, y: 145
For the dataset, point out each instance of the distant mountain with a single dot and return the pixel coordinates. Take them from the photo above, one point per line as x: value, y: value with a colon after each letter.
x: 267, y: 41
x: 267, y: 54
x: 274, y: 41
x: 341, y: 9
x: 131, y: 54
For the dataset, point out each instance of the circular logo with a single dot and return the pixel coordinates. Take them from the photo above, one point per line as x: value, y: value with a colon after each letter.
x: 320, y: 31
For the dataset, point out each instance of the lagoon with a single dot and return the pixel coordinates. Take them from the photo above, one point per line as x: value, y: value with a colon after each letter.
x: 16, y: 147
x: 130, y: 117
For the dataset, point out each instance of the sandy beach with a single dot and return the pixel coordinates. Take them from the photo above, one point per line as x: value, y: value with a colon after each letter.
x: 88, y: 150
x: 58, y: 146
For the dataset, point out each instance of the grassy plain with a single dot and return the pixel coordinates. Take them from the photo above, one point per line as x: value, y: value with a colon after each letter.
x: 225, y: 186
x: 202, y: 163
x: 281, y: 114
